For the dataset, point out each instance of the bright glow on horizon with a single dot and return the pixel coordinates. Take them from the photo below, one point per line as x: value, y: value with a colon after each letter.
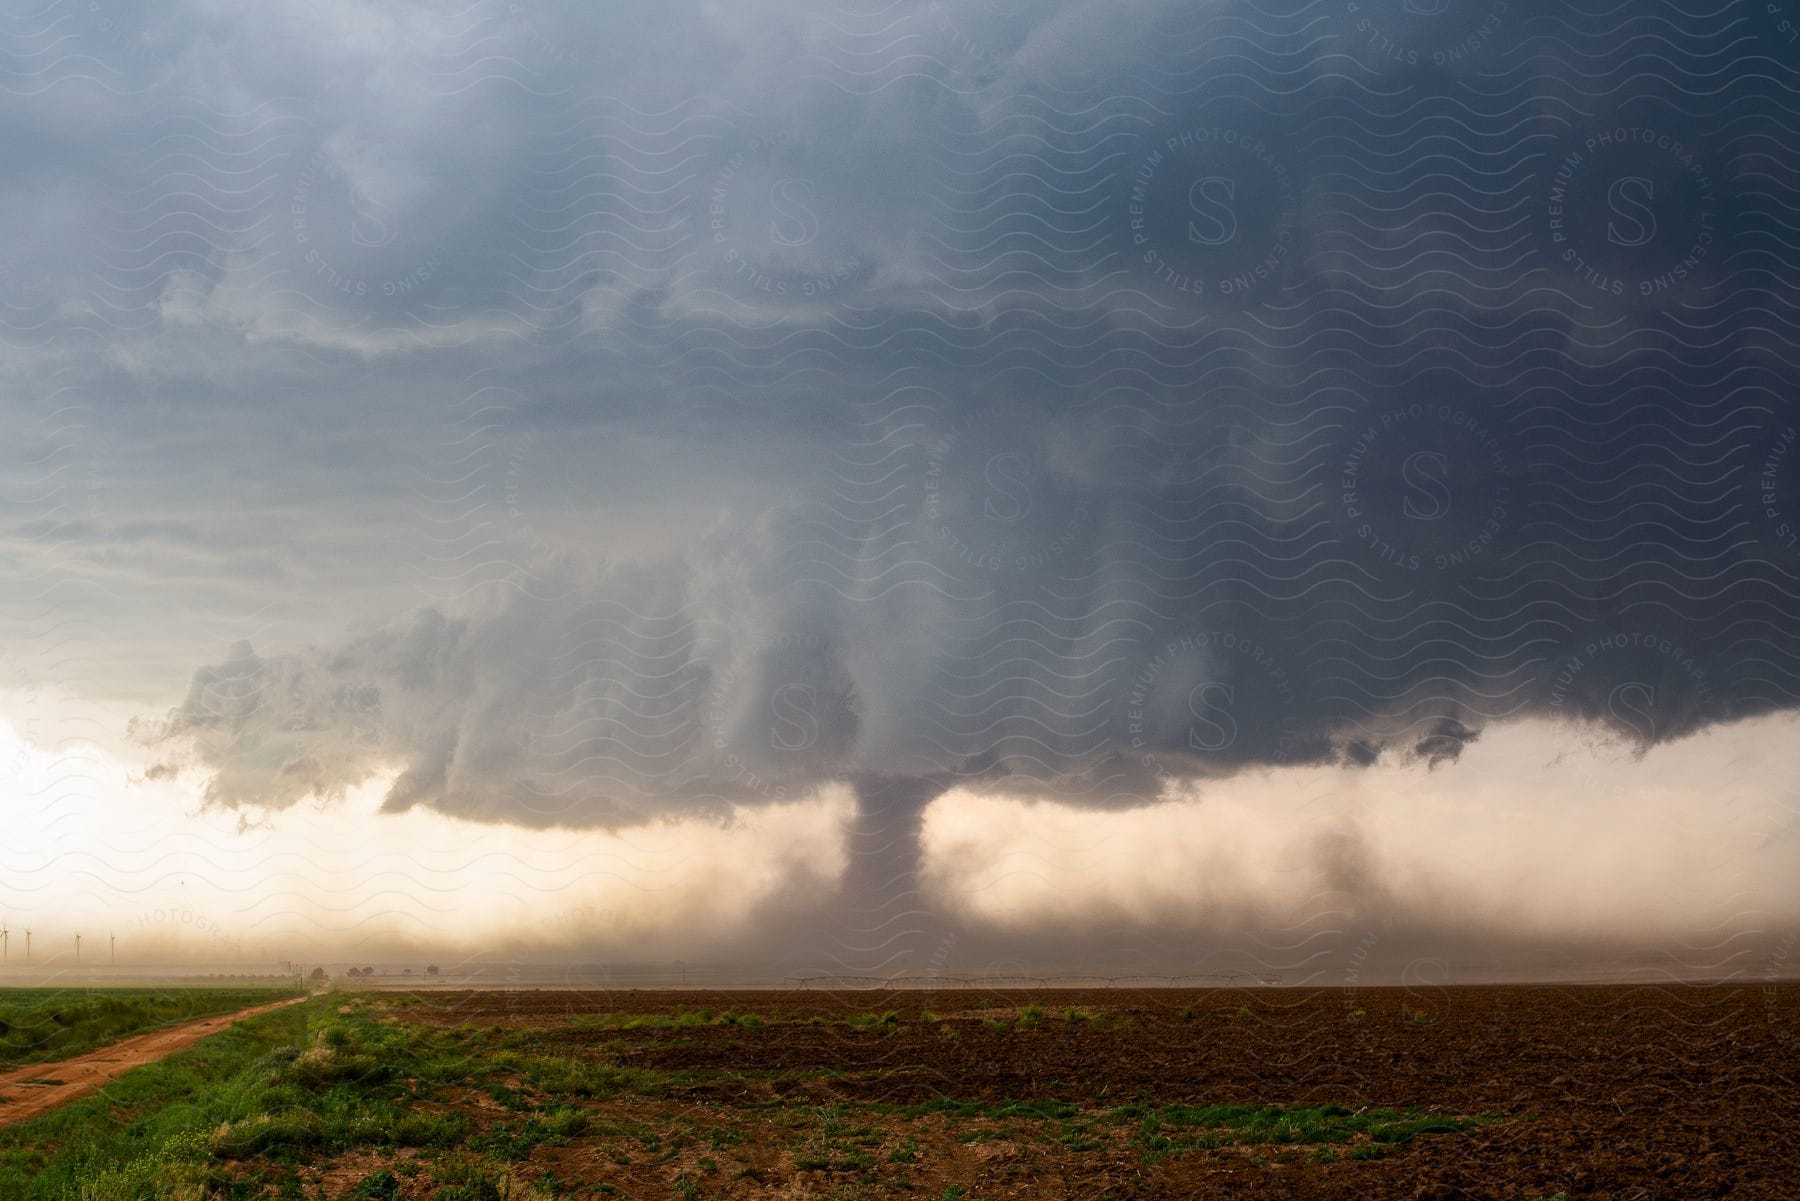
x: 100, y: 850
x: 1543, y: 831
x: 1540, y: 832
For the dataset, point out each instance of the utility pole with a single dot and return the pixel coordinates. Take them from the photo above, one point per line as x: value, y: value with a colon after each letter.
x: 78, y: 948
x: 112, y: 953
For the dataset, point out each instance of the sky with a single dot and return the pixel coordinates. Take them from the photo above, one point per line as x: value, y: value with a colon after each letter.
x: 903, y: 486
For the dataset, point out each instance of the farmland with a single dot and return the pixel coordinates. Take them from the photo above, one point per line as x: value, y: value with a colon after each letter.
x: 1594, y: 1092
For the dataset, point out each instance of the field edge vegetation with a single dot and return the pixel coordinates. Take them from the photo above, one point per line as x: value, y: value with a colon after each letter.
x: 342, y: 1097
x: 43, y: 1025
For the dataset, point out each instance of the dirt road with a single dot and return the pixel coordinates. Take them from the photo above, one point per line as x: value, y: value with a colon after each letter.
x: 29, y: 1091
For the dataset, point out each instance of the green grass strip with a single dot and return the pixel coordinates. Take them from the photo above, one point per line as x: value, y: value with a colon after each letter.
x: 147, y: 1129
x: 41, y: 1025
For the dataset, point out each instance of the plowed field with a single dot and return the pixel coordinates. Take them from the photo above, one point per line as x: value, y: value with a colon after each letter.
x: 1494, y: 1092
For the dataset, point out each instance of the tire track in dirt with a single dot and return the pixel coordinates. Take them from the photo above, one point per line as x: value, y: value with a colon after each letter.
x: 30, y: 1091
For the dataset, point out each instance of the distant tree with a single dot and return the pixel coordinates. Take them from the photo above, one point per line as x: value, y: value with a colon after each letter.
x: 406, y: 971
x: 431, y: 969
x: 317, y: 976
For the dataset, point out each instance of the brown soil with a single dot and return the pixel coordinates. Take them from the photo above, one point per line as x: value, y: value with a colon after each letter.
x: 29, y: 1091
x: 1622, y: 1093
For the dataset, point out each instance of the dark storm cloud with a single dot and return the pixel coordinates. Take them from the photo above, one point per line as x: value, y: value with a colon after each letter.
x: 1068, y: 398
